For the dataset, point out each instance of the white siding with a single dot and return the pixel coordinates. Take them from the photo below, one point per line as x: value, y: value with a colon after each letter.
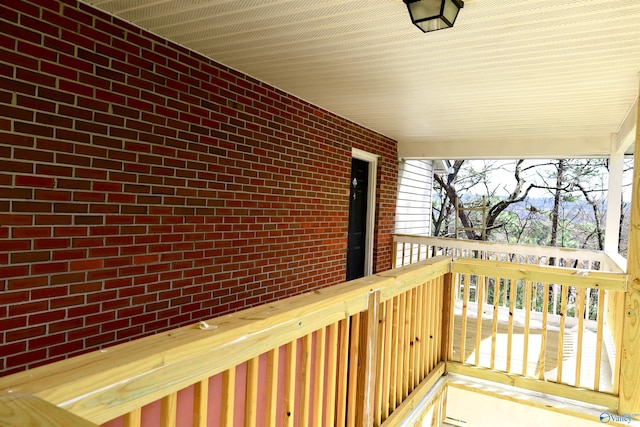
x: 413, y: 211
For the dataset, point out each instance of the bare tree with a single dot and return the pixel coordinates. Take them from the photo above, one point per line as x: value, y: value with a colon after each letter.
x: 451, y: 188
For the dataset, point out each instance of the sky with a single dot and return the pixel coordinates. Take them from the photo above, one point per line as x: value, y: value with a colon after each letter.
x: 503, y: 181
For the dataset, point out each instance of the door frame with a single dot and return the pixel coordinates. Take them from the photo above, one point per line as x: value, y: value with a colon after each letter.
x: 372, y: 159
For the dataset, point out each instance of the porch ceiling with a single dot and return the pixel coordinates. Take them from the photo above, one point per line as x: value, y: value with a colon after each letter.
x: 531, y: 78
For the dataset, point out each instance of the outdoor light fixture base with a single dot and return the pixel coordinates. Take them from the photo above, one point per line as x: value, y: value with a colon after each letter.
x: 433, y: 15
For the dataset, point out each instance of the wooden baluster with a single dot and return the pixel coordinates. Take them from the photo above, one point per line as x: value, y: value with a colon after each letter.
x: 290, y: 383
x: 382, y: 361
x: 413, y: 345
x: 251, y: 393
x: 543, y: 334
x: 494, y: 326
x: 133, y: 418
x: 343, y: 372
x: 273, y: 367
x: 386, y: 357
x: 394, y: 355
x: 448, y: 302
x: 564, y: 291
x: 332, y: 372
x: 527, y: 322
x: 619, y: 309
x: 479, y: 303
x: 433, y: 328
x: 352, y: 385
x: 580, y: 316
x: 401, y: 349
x: 420, y: 337
x: 200, y: 403
x: 600, y: 320
x: 228, y: 397
x: 404, y: 246
x: 513, y: 291
x: 437, y: 305
x: 464, y: 279
x: 319, y: 377
x: 426, y: 344
x: 406, y: 352
x: 169, y: 410
x: 305, y: 380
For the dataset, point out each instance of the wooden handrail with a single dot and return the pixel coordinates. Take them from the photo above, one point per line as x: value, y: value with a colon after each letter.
x: 545, y: 274
x: 476, y: 245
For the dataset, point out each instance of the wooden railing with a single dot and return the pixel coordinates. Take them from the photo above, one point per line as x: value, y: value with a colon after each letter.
x: 548, y: 319
x: 361, y: 353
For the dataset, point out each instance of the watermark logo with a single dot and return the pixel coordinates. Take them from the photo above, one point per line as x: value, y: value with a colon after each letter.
x: 606, y: 418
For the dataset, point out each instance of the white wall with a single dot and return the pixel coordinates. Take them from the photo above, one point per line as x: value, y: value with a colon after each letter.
x: 413, y: 211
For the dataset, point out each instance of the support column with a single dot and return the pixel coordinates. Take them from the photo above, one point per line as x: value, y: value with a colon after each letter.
x: 630, y: 354
x: 612, y: 224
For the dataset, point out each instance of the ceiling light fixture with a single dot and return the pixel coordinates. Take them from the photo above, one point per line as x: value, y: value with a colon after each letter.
x: 432, y: 15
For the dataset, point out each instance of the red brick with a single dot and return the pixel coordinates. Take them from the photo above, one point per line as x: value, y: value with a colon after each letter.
x: 31, y: 232
x: 46, y: 341
x: 57, y: 243
x: 22, y: 334
x: 15, y: 113
x: 139, y: 177
x: 66, y: 348
x: 47, y: 317
x: 11, y: 219
x: 90, y: 264
x: 28, y: 282
x: 31, y: 307
x: 27, y: 358
x: 30, y: 257
x: 66, y: 301
x: 66, y: 255
x: 34, y: 181
x: 64, y: 279
x: 49, y: 268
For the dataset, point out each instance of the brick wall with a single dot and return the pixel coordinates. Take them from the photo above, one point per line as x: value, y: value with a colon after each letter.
x: 144, y: 187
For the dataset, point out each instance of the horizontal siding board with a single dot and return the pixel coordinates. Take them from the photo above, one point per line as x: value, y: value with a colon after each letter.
x: 413, y: 205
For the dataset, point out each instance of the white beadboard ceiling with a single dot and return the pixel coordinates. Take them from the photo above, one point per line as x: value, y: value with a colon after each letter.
x: 512, y: 77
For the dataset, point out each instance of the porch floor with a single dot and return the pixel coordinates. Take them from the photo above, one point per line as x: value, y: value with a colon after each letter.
x: 534, y: 364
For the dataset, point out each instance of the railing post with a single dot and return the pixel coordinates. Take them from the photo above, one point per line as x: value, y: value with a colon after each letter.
x: 630, y: 357
x: 447, y: 331
x: 368, y: 362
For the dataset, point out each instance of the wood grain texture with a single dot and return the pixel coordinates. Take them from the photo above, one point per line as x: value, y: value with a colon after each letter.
x: 273, y: 366
x: 630, y: 357
x: 536, y: 273
x: 169, y: 410
x: 251, y: 393
x: 200, y: 403
x: 19, y: 410
x: 133, y: 418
